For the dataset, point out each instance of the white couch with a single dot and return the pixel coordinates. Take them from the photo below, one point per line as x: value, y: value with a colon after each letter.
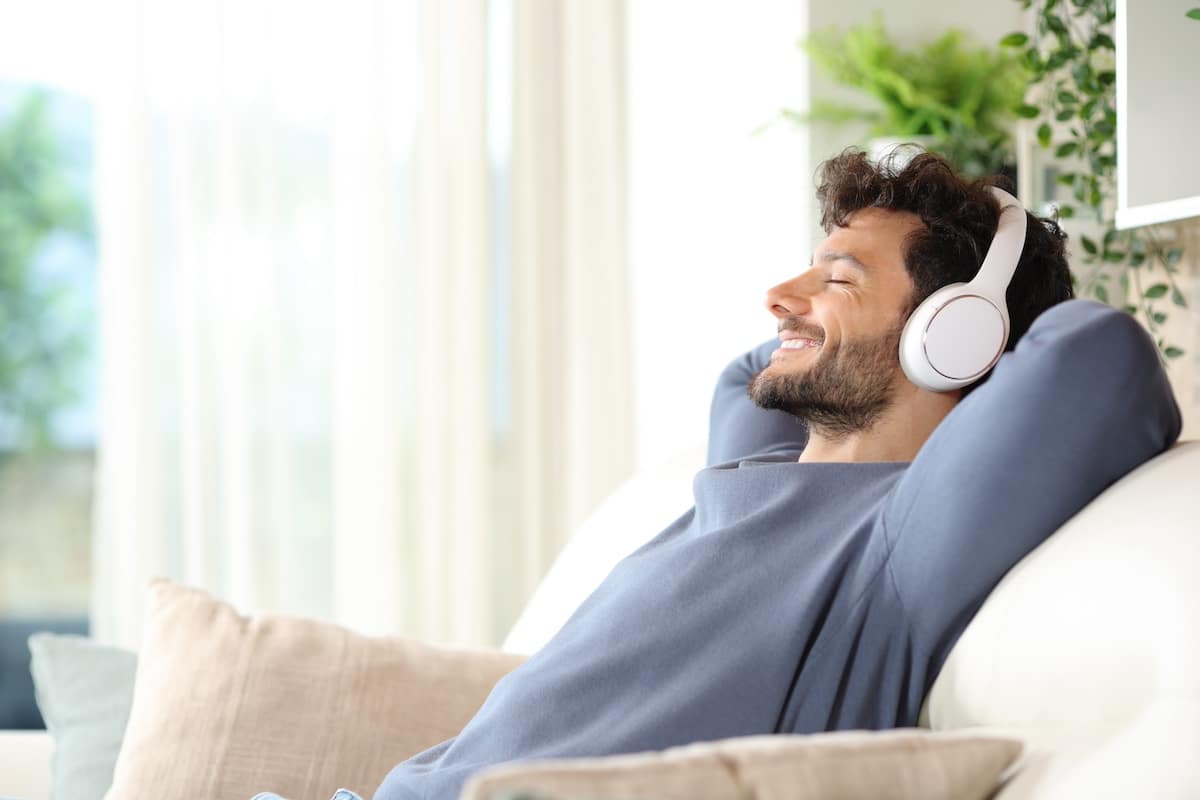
x: 1088, y: 651
x: 25, y: 764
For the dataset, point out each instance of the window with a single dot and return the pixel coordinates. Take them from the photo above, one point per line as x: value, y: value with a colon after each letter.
x: 48, y: 357
x: 47, y: 375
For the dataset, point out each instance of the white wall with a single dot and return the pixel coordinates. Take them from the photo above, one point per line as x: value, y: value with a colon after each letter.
x: 1183, y: 328
x: 718, y: 215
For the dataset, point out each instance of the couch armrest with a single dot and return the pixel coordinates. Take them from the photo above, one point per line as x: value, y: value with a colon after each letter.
x: 25, y: 764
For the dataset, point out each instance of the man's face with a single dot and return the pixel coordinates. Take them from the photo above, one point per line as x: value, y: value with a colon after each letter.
x: 839, y: 325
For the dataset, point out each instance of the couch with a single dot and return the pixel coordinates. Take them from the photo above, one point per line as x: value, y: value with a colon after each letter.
x: 1088, y: 651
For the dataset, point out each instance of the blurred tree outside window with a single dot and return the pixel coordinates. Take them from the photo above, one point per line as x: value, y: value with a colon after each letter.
x: 47, y: 354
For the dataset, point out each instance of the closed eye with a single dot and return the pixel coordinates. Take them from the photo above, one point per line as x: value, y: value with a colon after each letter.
x: 833, y: 280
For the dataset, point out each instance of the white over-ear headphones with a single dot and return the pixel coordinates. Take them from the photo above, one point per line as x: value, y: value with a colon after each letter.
x: 959, y: 332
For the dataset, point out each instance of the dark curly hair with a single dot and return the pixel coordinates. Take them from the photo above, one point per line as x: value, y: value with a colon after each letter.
x: 960, y: 219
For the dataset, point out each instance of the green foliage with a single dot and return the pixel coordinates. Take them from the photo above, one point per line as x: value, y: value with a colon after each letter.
x: 42, y: 344
x: 1071, y: 59
x: 951, y: 89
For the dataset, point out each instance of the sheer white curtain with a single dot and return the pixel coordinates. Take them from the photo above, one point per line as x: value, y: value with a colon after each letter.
x: 573, y: 414
x: 297, y: 265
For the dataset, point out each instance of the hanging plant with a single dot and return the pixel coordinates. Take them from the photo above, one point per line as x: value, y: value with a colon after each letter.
x: 1071, y: 57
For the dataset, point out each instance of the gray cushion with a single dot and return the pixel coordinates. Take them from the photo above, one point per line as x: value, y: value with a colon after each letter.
x: 18, y: 711
x: 84, y: 690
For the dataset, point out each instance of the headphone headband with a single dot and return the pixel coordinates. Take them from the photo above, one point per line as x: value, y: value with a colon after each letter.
x: 1000, y: 263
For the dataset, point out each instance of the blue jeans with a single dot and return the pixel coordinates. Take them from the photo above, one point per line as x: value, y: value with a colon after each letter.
x: 340, y: 794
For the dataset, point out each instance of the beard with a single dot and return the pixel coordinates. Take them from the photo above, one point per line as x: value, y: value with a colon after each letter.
x: 843, y: 392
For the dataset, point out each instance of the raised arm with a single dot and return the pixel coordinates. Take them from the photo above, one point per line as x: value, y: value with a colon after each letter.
x: 738, y: 428
x: 1081, y: 401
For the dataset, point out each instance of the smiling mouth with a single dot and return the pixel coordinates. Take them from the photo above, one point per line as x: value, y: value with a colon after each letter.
x: 799, y: 344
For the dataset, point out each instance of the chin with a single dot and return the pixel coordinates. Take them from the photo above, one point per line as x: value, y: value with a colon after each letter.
x: 781, y: 371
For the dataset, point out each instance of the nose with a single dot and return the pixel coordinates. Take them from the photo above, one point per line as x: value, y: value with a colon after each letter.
x: 791, y: 298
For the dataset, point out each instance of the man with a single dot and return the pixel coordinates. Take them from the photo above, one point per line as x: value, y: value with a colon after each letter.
x: 827, y: 568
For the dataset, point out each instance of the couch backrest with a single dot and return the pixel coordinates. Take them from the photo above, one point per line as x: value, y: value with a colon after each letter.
x: 1090, y: 647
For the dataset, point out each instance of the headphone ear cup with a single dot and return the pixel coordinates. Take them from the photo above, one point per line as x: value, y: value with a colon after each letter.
x: 959, y: 332
x: 953, y: 338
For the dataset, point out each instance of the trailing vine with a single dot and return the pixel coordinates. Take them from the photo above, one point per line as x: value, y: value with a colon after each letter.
x: 1071, y: 58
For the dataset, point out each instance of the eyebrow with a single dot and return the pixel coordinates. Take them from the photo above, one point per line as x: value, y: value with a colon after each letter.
x: 839, y: 255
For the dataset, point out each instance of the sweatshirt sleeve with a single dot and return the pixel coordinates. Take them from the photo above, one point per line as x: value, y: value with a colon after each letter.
x: 737, y: 427
x: 1080, y: 402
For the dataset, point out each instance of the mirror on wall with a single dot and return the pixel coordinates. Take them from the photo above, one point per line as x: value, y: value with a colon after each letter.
x: 1158, y: 112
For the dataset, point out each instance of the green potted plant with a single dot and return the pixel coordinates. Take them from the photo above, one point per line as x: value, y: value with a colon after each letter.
x: 1071, y: 58
x: 951, y: 95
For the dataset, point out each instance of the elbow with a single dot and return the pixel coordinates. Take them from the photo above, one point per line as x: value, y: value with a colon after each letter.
x: 1110, y: 359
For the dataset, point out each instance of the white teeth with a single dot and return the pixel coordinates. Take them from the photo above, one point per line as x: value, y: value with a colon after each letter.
x: 797, y: 344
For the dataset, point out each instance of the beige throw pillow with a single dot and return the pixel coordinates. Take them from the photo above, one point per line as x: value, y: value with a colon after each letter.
x: 225, y: 706
x: 906, y: 764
